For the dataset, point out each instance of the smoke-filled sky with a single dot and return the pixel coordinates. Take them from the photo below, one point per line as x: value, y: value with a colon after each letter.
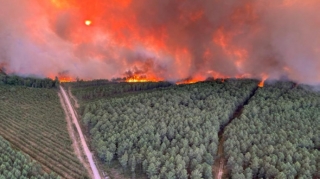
x: 162, y: 39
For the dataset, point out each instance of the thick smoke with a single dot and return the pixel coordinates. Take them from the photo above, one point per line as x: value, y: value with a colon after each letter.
x: 162, y: 39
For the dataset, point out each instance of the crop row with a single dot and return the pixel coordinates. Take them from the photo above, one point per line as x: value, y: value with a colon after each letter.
x: 33, y: 121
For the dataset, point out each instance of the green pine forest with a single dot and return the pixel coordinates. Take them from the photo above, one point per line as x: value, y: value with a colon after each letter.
x: 15, y: 164
x: 277, y: 135
x: 161, y: 130
x: 173, y: 131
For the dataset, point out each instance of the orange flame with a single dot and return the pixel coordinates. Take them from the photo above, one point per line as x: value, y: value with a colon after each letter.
x: 160, y: 50
x: 191, y: 80
x: 141, y: 79
x: 187, y: 81
x: 63, y: 78
x: 261, y: 84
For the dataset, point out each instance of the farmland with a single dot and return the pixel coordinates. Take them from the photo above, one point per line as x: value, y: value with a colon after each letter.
x: 33, y: 121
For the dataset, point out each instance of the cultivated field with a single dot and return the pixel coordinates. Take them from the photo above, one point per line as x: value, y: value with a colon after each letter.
x: 33, y: 121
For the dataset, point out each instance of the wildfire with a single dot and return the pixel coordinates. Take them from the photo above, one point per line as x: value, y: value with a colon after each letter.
x: 132, y: 80
x: 140, y: 79
x: 261, y: 84
x: 65, y: 79
x: 190, y: 80
x: 93, y: 39
x: 62, y: 78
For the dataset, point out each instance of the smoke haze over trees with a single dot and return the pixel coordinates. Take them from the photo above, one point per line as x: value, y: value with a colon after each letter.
x: 162, y: 40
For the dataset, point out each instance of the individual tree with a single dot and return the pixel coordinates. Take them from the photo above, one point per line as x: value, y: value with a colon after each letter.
x: 196, y: 174
x: 124, y: 160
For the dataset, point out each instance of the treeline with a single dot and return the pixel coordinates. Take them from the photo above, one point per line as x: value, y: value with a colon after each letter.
x: 97, y: 82
x: 277, y: 135
x: 170, y: 133
x: 84, y: 92
x: 14, y: 164
x: 28, y: 81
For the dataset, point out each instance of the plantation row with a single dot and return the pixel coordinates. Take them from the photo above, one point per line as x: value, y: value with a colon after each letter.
x: 86, y: 93
x: 168, y: 133
x: 14, y: 164
x: 277, y: 135
x: 32, y: 120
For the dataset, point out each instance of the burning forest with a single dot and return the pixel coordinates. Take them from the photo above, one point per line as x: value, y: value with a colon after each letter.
x: 162, y: 40
x: 159, y: 89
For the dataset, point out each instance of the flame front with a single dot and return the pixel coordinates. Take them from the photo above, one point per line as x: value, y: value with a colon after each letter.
x: 186, y: 81
x: 62, y: 77
x: 261, y: 84
x: 162, y: 39
x: 66, y: 79
x: 140, y: 79
x: 264, y: 78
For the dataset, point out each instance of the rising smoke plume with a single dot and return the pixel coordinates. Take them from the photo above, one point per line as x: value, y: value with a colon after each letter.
x: 162, y: 39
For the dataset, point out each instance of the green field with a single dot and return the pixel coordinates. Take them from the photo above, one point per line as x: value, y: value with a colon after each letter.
x: 33, y: 121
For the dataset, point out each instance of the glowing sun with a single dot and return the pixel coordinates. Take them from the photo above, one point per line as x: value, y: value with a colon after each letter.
x: 88, y: 22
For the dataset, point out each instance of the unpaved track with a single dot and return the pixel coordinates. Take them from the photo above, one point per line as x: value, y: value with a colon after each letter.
x: 75, y: 143
x: 82, y: 139
x: 220, y: 170
x: 76, y: 104
x: 218, y: 167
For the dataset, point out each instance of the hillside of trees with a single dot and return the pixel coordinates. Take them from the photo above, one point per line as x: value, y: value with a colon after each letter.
x: 171, y: 133
x: 14, y: 164
x: 277, y: 135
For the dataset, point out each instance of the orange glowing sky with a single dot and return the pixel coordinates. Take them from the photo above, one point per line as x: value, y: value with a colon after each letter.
x: 162, y: 39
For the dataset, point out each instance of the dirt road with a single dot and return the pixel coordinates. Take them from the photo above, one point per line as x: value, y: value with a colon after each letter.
x: 72, y: 132
x: 83, y: 141
x: 218, y: 167
x: 220, y: 172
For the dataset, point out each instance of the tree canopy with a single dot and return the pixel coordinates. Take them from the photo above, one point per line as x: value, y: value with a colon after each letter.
x: 169, y: 133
